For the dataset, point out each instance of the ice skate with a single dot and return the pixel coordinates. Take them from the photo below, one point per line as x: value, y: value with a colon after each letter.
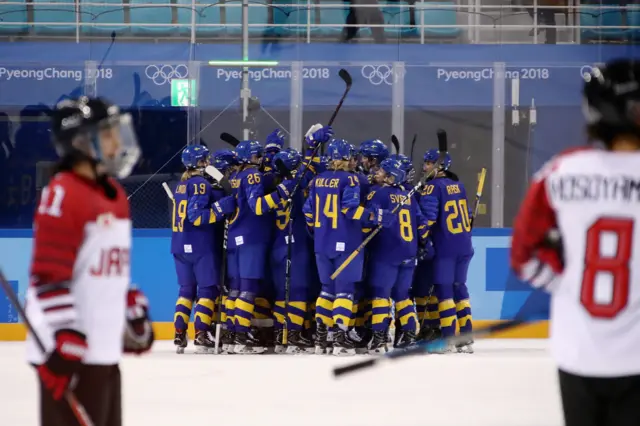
x: 466, y: 347
x: 361, y: 338
x: 279, y: 347
x: 342, y: 344
x: 406, y: 340
x: 378, y: 345
x: 246, y: 344
x: 227, y: 340
x: 298, y: 344
x: 180, y: 341
x: 321, y: 340
x: 204, y: 342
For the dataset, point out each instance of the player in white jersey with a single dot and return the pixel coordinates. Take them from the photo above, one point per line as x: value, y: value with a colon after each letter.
x: 79, y: 300
x: 577, y: 236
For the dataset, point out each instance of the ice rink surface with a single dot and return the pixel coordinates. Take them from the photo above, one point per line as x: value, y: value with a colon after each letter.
x: 505, y: 383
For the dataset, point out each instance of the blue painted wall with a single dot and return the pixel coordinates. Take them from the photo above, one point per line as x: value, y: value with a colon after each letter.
x: 495, y: 293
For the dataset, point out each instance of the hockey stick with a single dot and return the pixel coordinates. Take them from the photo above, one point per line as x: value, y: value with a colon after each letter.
x: 426, y: 347
x: 167, y: 190
x: 220, y: 178
x: 396, y: 143
x: 230, y: 139
x: 483, y: 175
x: 413, y: 145
x: 113, y: 41
x: 78, y: 409
x: 346, y: 77
x: 282, y: 169
x: 442, y: 149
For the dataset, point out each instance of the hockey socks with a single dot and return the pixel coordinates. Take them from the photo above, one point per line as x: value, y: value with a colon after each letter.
x: 446, y: 309
x: 324, y: 309
x: 380, y: 314
x: 463, y: 307
x: 432, y: 315
x: 244, y: 307
x: 342, y: 310
x: 406, y: 314
x: 203, y: 314
x: 182, y: 314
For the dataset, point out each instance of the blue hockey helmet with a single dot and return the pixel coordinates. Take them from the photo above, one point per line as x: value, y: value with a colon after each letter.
x: 353, y: 150
x: 339, y: 149
x: 395, y: 168
x: 290, y: 157
x: 375, y: 149
x: 192, y: 154
x: 407, y: 165
x: 247, y: 149
x: 322, y: 165
x: 223, y: 159
x: 433, y: 155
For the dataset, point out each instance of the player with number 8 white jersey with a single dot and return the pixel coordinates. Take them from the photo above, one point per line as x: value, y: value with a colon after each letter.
x: 577, y: 235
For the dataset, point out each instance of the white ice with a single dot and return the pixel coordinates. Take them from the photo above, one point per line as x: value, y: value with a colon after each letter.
x: 506, y: 382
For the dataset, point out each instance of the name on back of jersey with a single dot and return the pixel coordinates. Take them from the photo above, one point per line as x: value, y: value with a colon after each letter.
x: 327, y: 183
x: 453, y: 189
x: 593, y: 187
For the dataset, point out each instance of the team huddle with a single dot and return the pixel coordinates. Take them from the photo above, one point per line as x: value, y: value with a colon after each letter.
x: 333, y: 297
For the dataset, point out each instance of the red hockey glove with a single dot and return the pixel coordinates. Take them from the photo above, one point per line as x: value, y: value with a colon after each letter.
x: 64, y: 362
x: 138, y: 336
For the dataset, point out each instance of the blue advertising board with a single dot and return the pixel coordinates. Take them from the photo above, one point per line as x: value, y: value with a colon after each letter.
x: 495, y: 293
x: 435, y: 75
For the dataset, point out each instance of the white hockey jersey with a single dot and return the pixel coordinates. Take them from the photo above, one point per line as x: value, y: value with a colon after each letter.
x: 593, y: 198
x: 80, y: 268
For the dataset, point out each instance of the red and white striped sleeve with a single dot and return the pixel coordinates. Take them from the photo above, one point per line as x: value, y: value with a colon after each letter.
x: 58, y: 236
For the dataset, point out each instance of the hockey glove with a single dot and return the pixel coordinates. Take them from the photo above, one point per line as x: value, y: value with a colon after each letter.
x: 320, y: 136
x: 350, y: 197
x: 426, y: 252
x: 429, y: 207
x: 546, y: 264
x: 138, y: 334
x: 225, y: 206
x: 65, y: 361
x: 275, y: 141
x: 285, y: 188
x: 385, y: 218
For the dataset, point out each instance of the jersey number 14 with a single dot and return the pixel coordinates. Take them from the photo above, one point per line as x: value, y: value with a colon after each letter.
x: 602, y: 267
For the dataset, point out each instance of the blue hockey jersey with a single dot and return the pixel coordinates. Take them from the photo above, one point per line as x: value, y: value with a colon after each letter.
x: 451, y: 232
x: 195, y: 233
x: 252, y: 222
x: 336, y: 229
x: 398, y: 242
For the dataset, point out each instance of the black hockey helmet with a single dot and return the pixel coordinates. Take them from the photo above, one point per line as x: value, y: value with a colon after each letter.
x: 93, y: 128
x: 611, y: 103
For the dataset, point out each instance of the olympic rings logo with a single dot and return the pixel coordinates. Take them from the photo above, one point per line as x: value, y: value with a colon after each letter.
x: 378, y: 74
x: 585, y: 70
x: 163, y: 74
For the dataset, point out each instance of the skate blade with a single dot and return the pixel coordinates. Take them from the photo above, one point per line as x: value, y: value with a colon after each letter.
x: 343, y: 352
x: 297, y: 350
x: 245, y: 350
x: 205, y: 350
x: 380, y: 351
x: 179, y: 350
x: 280, y: 349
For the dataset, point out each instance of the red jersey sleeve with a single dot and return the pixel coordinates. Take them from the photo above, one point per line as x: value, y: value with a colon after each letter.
x: 532, y: 258
x: 58, y: 236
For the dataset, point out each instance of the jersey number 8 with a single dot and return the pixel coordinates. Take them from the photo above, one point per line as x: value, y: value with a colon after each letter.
x: 458, y: 218
x: 613, y: 269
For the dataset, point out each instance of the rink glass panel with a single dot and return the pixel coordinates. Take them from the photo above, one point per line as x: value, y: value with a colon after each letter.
x: 388, y: 97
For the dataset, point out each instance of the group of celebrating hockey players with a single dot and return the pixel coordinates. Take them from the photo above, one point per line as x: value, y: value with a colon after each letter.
x: 411, y: 277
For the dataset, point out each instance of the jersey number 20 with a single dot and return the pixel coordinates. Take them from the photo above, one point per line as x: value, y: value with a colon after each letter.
x: 603, y: 266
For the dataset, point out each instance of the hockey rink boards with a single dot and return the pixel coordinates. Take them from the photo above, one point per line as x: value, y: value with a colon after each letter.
x: 507, y: 382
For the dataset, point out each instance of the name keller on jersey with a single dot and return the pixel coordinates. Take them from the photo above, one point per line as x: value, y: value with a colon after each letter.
x: 595, y: 187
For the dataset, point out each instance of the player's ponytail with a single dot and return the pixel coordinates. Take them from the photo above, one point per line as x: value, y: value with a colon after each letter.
x: 339, y: 165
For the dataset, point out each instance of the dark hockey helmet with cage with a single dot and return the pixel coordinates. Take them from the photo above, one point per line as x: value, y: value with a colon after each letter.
x: 79, y: 125
x: 611, y: 103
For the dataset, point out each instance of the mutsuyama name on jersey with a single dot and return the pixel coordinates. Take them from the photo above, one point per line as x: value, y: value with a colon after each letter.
x: 594, y: 187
